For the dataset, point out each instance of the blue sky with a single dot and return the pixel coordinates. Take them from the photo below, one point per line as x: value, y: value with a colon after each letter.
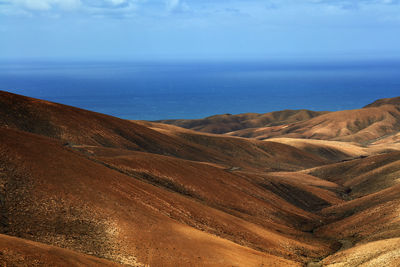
x: 199, y: 29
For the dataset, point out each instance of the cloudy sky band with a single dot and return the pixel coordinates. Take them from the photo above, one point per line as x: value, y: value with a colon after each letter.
x: 199, y: 28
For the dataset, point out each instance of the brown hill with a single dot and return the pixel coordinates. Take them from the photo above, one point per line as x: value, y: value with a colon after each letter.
x: 227, y: 123
x: 361, y: 125
x: 368, y: 222
x: 378, y: 253
x: 331, y: 150
x: 362, y: 176
x: 80, y: 127
x: 241, y: 151
x: 82, y: 188
x: 384, y: 101
x: 20, y: 252
x: 122, y: 213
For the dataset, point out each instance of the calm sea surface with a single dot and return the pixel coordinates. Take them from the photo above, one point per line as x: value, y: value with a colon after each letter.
x: 166, y: 90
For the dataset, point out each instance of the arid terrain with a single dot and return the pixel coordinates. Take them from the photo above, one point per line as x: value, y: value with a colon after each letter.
x: 287, y: 188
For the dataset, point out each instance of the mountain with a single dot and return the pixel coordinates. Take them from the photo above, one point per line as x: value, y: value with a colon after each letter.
x: 362, y: 126
x: 368, y: 222
x: 77, y: 127
x: 79, y: 188
x: 227, y: 123
x: 376, y: 120
x: 80, y: 204
x: 117, y: 201
x: 384, y: 101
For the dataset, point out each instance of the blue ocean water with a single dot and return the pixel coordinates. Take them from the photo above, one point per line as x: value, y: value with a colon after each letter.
x: 169, y: 90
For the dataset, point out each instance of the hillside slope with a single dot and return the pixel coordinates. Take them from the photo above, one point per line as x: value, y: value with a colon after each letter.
x: 367, y: 224
x: 80, y: 127
x: 377, y: 120
x: 227, y: 123
x: 21, y: 252
x: 362, y: 126
x: 384, y: 101
x: 80, y: 204
x: 81, y: 188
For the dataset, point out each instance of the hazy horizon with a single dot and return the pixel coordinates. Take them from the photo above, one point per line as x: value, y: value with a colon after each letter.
x: 158, y: 59
x: 154, y: 91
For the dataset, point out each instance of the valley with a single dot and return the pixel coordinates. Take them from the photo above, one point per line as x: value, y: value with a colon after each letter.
x: 289, y: 188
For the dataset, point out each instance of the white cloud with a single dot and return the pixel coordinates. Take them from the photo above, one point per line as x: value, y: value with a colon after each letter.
x: 69, y: 4
x: 117, y: 2
x: 45, y: 5
x: 35, y: 4
x: 172, y: 4
x: 259, y: 9
x: 58, y: 8
x: 355, y: 3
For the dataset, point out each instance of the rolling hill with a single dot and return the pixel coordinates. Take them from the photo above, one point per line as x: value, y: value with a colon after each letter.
x: 362, y: 126
x: 76, y: 127
x: 384, y: 101
x: 228, y: 123
x: 79, y: 188
x: 376, y: 120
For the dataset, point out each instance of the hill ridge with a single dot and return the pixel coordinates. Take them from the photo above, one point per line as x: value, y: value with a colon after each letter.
x: 147, y: 193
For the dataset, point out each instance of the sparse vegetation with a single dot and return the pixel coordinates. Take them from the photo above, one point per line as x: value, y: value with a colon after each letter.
x: 79, y: 188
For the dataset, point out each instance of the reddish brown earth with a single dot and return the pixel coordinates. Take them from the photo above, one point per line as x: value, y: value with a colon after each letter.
x: 369, y: 124
x: 362, y: 126
x: 228, y: 123
x: 75, y: 126
x: 21, y: 252
x: 384, y: 101
x: 78, y: 188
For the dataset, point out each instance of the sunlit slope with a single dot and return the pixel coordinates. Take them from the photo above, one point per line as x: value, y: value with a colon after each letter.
x: 227, y: 123
x: 80, y: 127
x: 376, y: 120
x: 361, y: 125
x: 379, y: 253
x: 330, y: 150
x: 369, y: 220
x: 139, y: 193
x: 368, y: 224
x: 80, y: 204
x: 21, y: 252
x: 362, y: 176
x: 384, y: 101
x: 228, y: 190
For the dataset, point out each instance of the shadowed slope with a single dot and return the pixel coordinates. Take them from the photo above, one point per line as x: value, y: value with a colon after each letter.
x: 369, y: 220
x: 228, y: 190
x: 384, y: 101
x: 379, y: 253
x: 362, y: 176
x: 371, y: 224
x: 227, y: 123
x: 20, y: 252
x: 331, y: 150
x: 80, y: 127
x: 244, y: 152
x: 374, y: 121
x: 85, y: 206
x: 361, y: 125
x: 365, y: 219
x: 149, y: 193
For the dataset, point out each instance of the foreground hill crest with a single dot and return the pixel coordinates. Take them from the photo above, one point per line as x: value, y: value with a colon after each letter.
x: 98, y: 190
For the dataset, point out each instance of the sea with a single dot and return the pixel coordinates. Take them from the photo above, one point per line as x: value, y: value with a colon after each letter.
x: 197, y: 89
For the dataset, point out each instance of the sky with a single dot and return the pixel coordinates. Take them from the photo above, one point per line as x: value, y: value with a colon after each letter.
x: 199, y: 29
